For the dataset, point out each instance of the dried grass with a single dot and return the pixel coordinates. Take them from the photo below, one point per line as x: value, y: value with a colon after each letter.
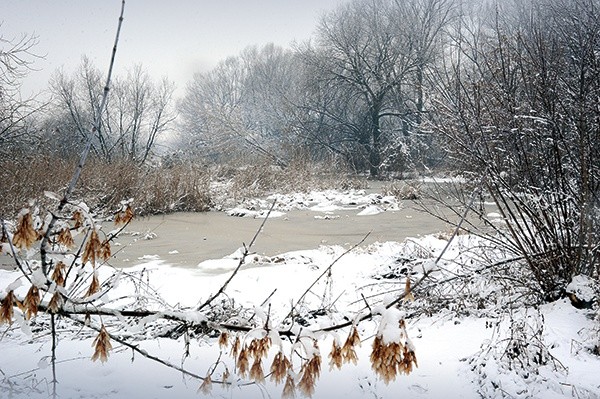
x: 182, y: 186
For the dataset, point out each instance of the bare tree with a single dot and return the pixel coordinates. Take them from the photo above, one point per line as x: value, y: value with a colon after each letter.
x: 242, y: 104
x: 137, y: 113
x: 16, y: 57
x: 369, y: 52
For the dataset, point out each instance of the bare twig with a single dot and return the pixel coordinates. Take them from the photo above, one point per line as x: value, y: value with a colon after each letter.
x: 96, y: 126
x: 53, y: 355
x: 327, y: 271
x: 240, y: 263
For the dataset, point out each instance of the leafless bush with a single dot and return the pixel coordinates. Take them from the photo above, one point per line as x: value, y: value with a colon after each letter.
x: 519, y: 348
x: 530, y: 147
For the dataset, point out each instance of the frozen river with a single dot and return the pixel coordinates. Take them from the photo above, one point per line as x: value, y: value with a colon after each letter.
x: 186, y: 239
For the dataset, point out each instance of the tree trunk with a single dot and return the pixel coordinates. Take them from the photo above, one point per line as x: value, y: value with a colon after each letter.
x: 375, y: 148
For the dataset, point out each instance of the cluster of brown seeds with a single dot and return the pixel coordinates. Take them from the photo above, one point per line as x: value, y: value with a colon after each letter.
x: 248, y: 362
x: 310, y: 373
x: 7, y: 308
x: 346, y: 353
x: 101, y: 345
x: 96, y: 249
x: 31, y: 302
x: 66, y: 238
x: 25, y: 235
x: 124, y: 216
x: 393, y: 358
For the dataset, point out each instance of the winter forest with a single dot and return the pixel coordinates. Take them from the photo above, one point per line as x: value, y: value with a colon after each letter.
x: 405, y: 205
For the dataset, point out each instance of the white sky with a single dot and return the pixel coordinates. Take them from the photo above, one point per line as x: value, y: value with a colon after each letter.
x: 173, y: 38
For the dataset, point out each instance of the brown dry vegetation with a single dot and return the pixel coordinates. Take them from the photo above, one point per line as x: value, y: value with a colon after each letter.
x: 169, y: 187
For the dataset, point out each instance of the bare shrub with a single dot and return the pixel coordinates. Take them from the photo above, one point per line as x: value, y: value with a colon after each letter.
x: 26, y: 177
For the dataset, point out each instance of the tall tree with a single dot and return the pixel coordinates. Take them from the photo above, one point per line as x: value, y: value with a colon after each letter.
x: 16, y: 57
x: 242, y: 104
x: 137, y: 113
x: 370, y: 52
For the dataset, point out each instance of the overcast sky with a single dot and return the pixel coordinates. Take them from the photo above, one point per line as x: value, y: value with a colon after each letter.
x: 174, y: 38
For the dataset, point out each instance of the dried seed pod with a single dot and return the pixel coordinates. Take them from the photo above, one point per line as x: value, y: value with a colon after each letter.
x: 408, y: 359
x: 242, y: 362
x: 223, y: 340
x: 256, y: 371
x: 25, y: 234
x: 101, y: 345
x: 65, y: 238
x: 206, y: 386
x: 235, y: 348
x: 289, y: 389
x: 225, y: 378
x: 335, y: 356
x: 105, y: 253
x: 92, y: 248
x: 3, y: 235
x: 348, y: 351
x: 31, y: 302
x: 259, y: 348
x: 124, y: 216
x: 280, y: 367
x: 58, y: 274
x: 408, y: 295
x: 387, y: 359
x: 55, y: 303
x: 94, y: 286
x: 78, y: 219
x: 311, y: 370
x: 6, y: 308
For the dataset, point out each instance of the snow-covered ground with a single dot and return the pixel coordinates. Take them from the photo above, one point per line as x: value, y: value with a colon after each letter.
x: 464, y: 326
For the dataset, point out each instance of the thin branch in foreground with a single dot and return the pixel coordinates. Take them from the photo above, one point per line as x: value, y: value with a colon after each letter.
x: 86, y: 150
x: 327, y: 271
x: 241, y: 262
x: 151, y: 357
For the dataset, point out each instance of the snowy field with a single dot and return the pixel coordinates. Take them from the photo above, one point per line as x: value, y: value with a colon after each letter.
x: 473, y: 336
